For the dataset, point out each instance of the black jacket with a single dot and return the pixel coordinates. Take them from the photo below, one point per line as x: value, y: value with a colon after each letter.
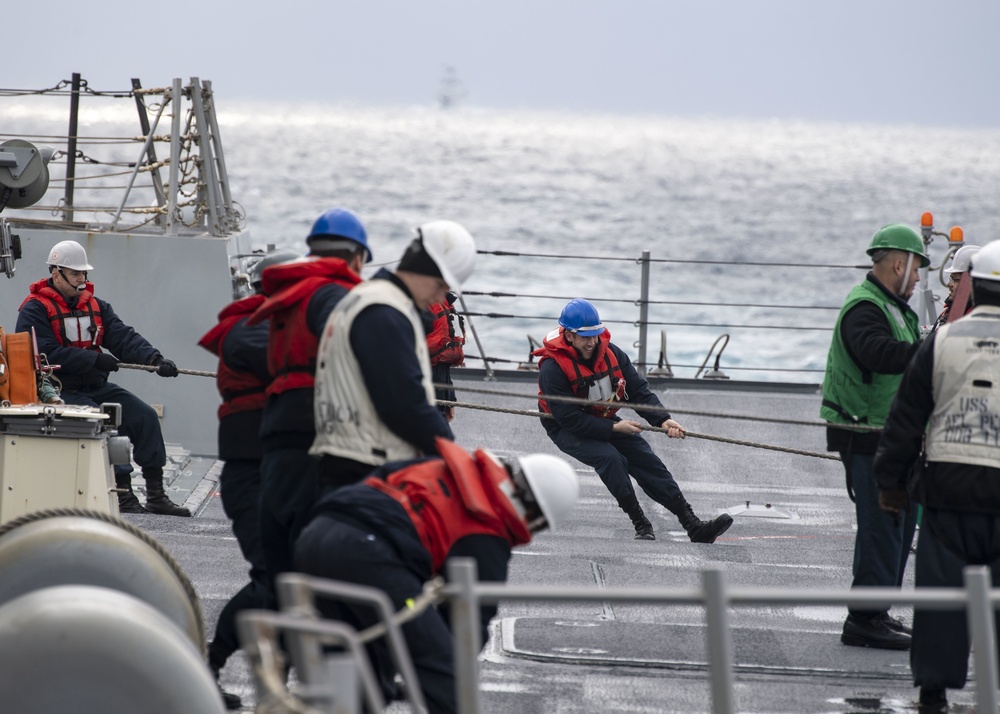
x: 77, y: 369
x: 552, y: 380
x: 941, y: 485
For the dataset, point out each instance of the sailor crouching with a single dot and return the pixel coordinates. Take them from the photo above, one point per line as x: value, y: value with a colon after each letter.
x: 399, y: 527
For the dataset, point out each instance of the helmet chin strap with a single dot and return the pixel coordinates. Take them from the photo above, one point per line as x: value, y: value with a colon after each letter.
x: 79, y: 288
x: 906, y: 275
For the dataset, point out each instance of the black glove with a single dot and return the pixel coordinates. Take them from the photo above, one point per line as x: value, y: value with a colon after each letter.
x: 892, y: 501
x: 165, y: 368
x: 106, y: 362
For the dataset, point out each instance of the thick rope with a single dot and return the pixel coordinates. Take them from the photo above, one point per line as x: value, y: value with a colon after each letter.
x: 647, y: 408
x: 692, y: 434
x: 588, y: 402
x: 151, y: 368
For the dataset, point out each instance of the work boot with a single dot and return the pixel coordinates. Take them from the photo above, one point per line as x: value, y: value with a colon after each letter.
x: 932, y: 701
x: 156, y: 497
x: 230, y: 700
x: 699, y: 531
x: 643, y: 528
x: 127, y: 502
x: 873, y: 631
x: 895, y: 624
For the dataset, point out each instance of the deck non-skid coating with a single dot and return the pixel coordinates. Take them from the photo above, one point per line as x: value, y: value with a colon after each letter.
x: 577, y: 658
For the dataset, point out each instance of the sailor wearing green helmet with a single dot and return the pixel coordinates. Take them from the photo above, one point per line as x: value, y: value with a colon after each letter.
x: 875, y: 337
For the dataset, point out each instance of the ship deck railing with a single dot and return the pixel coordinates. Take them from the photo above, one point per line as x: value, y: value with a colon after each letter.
x: 331, y: 686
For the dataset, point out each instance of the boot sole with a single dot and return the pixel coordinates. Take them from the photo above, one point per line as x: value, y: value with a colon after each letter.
x: 853, y: 641
x: 725, y: 527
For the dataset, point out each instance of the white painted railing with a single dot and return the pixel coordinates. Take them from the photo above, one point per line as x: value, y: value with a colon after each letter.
x: 329, y: 683
x: 466, y: 596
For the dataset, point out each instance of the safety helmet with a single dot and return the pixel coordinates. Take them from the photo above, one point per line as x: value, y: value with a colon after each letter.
x: 986, y: 263
x: 554, y: 485
x: 333, y: 228
x: 897, y: 236
x: 962, y: 259
x: 452, y: 248
x: 69, y: 254
x: 580, y: 316
x: 275, y: 257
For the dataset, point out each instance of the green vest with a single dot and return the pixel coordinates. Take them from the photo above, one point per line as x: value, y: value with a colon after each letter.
x: 864, y: 395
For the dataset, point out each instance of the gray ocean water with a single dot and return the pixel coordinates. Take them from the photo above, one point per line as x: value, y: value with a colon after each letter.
x: 729, y: 207
x: 600, y: 185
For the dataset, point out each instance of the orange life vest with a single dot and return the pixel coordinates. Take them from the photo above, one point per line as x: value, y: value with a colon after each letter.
x: 80, y: 326
x: 241, y: 391
x: 445, y: 343
x: 453, y: 497
x: 291, y: 346
x: 581, y: 377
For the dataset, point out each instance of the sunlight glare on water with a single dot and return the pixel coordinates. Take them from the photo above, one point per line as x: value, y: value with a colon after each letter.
x: 736, y: 191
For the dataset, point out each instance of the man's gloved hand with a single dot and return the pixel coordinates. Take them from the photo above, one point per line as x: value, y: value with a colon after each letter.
x: 106, y: 362
x: 892, y: 501
x: 165, y: 368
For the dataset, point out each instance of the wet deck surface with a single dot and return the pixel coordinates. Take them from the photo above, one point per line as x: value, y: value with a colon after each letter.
x: 600, y: 657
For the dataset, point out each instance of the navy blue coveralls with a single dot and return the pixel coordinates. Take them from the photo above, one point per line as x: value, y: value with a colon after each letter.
x: 882, y: 545
x: 245, y: 350
x: 376, y: 544
x: 382, y: 339
x: 288, y: 473
x: 592, y: 440
x: 960, y: 526
x: 85, y: 385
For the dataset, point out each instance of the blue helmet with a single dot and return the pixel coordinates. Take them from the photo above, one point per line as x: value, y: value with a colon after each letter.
x: 335, y: 226
x: 580, y: 317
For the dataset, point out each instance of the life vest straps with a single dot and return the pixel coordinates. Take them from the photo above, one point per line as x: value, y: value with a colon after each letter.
x: 842, y: 412
x: 58, y: 314
x: 296, y: 368
x: 231, y: 394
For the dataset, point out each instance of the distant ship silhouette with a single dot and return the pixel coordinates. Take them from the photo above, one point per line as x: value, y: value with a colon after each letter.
x: 451, y: 90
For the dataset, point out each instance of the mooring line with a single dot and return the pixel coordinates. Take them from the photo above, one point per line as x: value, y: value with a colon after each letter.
x: 583, y: 402
x: 692, y: 434
x: 645, y: 407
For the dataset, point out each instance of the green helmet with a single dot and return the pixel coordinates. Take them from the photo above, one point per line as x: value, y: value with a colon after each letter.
x: 897, y: 236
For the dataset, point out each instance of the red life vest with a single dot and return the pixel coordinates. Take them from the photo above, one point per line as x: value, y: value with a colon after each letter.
x: 291, y: 346
x: 453, y: 497
x: 581, y: 377
x: 241, y: 391
x: 86, y: 326
x: 444, y: 342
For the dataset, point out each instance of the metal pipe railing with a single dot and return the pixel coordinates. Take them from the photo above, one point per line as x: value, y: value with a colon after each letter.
x: 977, y: 598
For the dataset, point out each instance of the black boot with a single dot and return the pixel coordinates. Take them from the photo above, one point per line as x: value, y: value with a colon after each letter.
x: 156, y: 497
x: 127, y: 502
x: 231, y: 701
x: 643, y: 528
x: 699, y: 531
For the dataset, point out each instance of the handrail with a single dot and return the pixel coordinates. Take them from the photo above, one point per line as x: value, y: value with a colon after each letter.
x: 664, y: 313
x: 466, y: 594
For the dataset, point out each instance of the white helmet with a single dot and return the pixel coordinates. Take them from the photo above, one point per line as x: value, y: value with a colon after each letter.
x: 962, y: 258
x: 554, y: 485
x: 986, y: 263
x: 69, y: 254
x: 452, y: 248
x: 275, y: 257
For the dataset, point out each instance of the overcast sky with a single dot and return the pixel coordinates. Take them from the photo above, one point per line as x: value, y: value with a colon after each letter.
x: 900, y: 61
